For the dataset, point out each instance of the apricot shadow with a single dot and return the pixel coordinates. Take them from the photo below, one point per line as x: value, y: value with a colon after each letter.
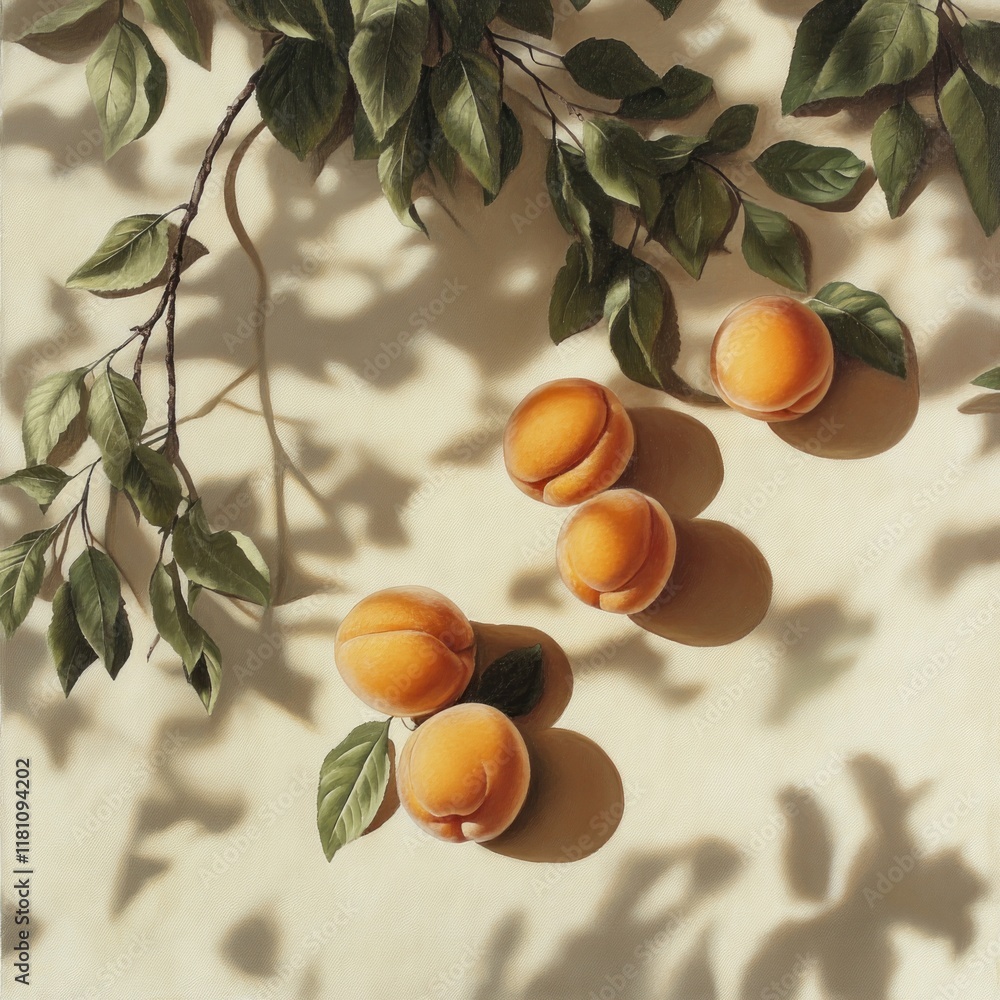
x: 677, y: 460
x: 493, y: 641
x: 718, y: 592
x: 865, y: 412
x: 575, y: 801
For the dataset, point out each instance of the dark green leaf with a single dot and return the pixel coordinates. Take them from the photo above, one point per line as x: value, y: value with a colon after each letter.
x: 970, y: 109
x: 70, y: 651
x: 300, y: 93
x: 671, y: 153
x: 43, y: 483
x: 465, y: 93
x: 151, y: 482
x: 533, y: 16
x: 577, y: 303
x: 128, y: 85
x: 170, y: 614
x: 634, y: 310
x: 771, y: 247
x: 115, y: 419
x: 294, y: 18
x: 96, y: 590
x: 175, y: 19
x: 898, y: 142
x: 862, y: 325
x: 22, y: 566
x: 981, y: 40
x: 731, y: 131
x: 216, y: 559
x: 511, y: 148
x: 366, y: 146
x: 467, y: 19
x: 123, y: 642
x: 62, y: 17
x: 132, y: 253
x: 678, y: 93
x: 814, y: 175
x: 665, y: 7
x: 385, y: 58
x: 609, y: 68
x: 206, y: 678
x: 51, y: 406
x: 618, y: 159
x: 989, y: 380
x: 512, y: 684
x: 404, y: 158
x: 352, y: 783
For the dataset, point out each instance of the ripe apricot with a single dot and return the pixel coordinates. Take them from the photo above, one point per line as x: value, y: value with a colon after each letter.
x: 772, y: 358
x: 567, y: 440
x: 616, y: 551
x: 463, y: 774
x: 406, y: 651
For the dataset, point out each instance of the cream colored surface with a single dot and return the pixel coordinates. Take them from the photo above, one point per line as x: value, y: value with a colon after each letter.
x: 176, y: 856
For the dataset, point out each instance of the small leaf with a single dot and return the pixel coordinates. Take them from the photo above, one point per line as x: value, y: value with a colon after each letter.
x: 170, y: 614
x: 215, y: 559
x: 665, y: 7
x: 51, y: 406
x: 132, y: 253
x: 731, y: 131
x: 22, y: 566
x: 511, y: 148
x: 352, y: 783
x: 634, y: 310
x: 70, y: 651
x: 771, y: 247
x: 122, y: 648
x: 206, y: 678
x: 981, y: 40
x: 618, y: 159
x: 672, y: 153
x: 988, y: 380
x: 175, y: 19
x: 609, y: 68
x: 533, y: 16
x: 300, y: 93
x: 862, y: 325
x: 679, y: 92
x: 513, y: 684
x: 404, y: 159
x: 43, y: 483
x: 96, y: 590
x: 293, y: 18
x: 151, y: 482
x: 62, y: 17
x: 128, y: 85
x: 386, y: 56
x: 467, y: 19
x: 814, y: 175
x: 115, y: 419
x: 898, y: 142
x: 577, y: 303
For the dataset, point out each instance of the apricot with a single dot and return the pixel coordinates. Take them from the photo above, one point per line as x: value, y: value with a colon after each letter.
x: 406, y: 651
x: 616, y: 551
x: 772, y: 358
x: 567, y: 440
x: 464, y: 773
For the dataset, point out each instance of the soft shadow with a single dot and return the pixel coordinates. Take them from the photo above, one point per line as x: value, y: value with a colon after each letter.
x: 575, y: 801
x: 677, y: 460
x: 251, y: 946
x: 537, y: 586
x: 808, y: 849
x: 957, y: 553
x: 964, y: 349
x: 718, y: 592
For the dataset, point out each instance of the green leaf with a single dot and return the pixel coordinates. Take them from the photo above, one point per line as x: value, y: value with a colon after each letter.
x: 889, y: 41
x: 981, y: 40
x: 465, y: 93
x: 634, y: 310
x: 115, y: 419
x: 70, y: 651
x: 252, y: 553
x: 170, y: 614
x: 22, y: 566
x: 665, y: 7
x: 62, y: 17
x: 814, y: 175
x: 50, y: 407
x: 123, y: 642
x: 96, y: 590
x: 352, y: 783
x: 513, y: 683
x: 386, y: 56
x: 300, y: 93
x: 294, y: 18
x: 132, y: 253
x: 128, y: 85
x: 404, y: 158
x: 672, y: 153
x: 771, y: 247
x: 970, y: 110
x: 215, y: 559
x: 206, y: 678
x: 43, y: 483
x: 989, y: 380
x: 679, y: 92
x: 862, y: 325
x: 467, y: 19
x: 151, y: 482
x: 618, y: 159
x: 366, y: 146
x: 818, y: 32
x: 898, y: 142
x: 609, y: 68
x: 175, y: 19
x: 731, y: 131
x: 511, y: 148
x: 533, y: 16
x: 577, y: 302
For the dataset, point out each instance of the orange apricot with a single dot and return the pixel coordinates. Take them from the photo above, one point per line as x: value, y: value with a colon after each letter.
x: 463, y: 774
x: 616, y: 551
x: 772, y: 358
x: 567, y: 440
x: 406, y: 651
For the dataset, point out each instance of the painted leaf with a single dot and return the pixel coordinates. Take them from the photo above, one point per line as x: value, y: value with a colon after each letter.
x: 672, y: 153
x: 981, y: 40
x: 62, y: 17
x: 511, y: 148
x: 175, y: 19
x: 404, y: 158
x: 679, y: 92
x: 206, y: 678
x: 665, y: 7
x: 22, y: 566
x: 533, y: 16
x: 814, y: 175
x: 151, y: 482
x: 96, y: 591
x: 171, y: 617
x: 634, y: 310
x: 577, y: 302
x: 43, y: 483
x: 618, y: 159
x: 771, y: 247
x: 132, y: 253
x: 731, y: 131
x: 898, y: 142
x: 466, y: 19
x: 609, y: 68
x: 51, y: 406
x: 989, y: 380
x: 70, y: 650
x: 115, y: 419
x: 292, y: 18
x: 513, y: 683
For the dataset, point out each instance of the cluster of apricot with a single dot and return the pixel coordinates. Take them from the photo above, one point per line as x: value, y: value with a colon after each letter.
x: 570, y: 440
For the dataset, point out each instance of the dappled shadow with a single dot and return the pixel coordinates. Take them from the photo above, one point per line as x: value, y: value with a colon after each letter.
x: 251, y: 945
x: 956, y: 553
x: 962, y: 349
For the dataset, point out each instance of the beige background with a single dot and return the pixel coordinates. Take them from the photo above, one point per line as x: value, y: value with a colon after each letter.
x: 176, y: 856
